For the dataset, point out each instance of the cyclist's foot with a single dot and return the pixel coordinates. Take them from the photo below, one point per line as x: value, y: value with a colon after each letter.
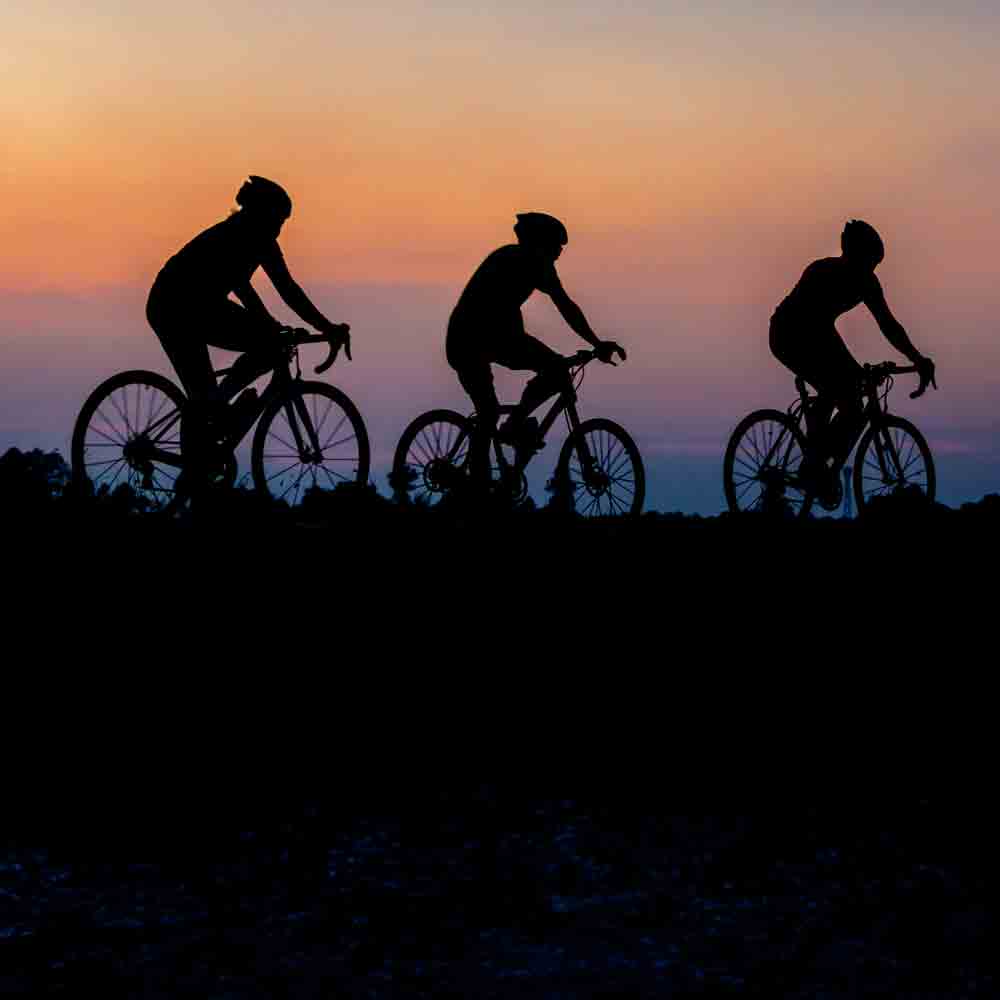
x: 523, y: 434
x: 823, y: 483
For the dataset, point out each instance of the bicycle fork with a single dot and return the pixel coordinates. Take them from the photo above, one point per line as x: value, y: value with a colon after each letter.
x: 298, y: 417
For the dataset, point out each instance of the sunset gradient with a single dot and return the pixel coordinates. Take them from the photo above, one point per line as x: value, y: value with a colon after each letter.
x: 700, y: 155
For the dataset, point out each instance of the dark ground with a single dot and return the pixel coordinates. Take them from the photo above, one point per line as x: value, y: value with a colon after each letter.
x: 416, y: 758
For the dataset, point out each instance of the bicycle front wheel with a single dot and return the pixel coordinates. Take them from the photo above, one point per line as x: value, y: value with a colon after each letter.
x: 893, y: 459
x: 600, y: 471
x: 760, y: 471
x: 127, y: 439
x: 431, y: 458
x: 309, y: 438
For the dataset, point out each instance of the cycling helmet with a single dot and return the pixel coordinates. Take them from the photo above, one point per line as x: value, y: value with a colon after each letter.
x: 537, y: 227
x: 260, y: 193
x: 861, y: 240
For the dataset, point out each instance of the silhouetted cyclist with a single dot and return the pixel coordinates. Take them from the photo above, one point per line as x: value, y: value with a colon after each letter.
x: 486, y: 327
x: 803, y: 337
x: 189, y: 306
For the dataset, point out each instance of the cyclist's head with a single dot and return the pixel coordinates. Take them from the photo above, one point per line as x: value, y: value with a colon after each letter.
x: 541, y: 232
x: 264, y: 199
x: 862, y: 243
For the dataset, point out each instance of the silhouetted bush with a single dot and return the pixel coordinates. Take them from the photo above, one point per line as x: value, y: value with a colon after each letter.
x: 32, y: 479
x: 344, y: 502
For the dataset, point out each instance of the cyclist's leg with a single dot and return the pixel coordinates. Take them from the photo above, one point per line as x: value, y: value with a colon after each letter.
x: 526, y: 353
x: 805, y: 353
x: 476, y: 379
x: 231, y: 327
x: 844, y: 387
x: 174, y: 326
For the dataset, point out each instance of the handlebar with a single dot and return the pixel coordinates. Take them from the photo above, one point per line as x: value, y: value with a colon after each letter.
x: 342, y: 338
x: 579, y: 358
x: 583, y: 357
x: 880, y: 372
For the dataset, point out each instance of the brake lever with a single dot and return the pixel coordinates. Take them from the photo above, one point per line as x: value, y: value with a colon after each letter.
x: 330, y: 358
x: 334, y: 351
x: 922, y: 388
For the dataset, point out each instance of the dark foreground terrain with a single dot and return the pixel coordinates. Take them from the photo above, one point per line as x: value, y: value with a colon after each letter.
x: 490, y: 893
x: 396, y: 756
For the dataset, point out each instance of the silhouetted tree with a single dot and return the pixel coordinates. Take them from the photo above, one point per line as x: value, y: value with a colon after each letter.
x: 32, y: 478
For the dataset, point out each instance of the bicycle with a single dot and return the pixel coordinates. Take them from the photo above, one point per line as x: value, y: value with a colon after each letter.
x: 765, y: 453
x: 599, y: 470
x: 131, y: 430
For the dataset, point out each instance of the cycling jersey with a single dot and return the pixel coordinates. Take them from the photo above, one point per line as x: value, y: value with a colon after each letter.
x: 218, y: 261
x: 490, y: 305
x: 827, y: 289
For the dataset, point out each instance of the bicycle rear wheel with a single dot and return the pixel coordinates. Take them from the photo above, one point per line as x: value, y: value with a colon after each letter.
x: 761, y: 466
x: 600, y: 471
x: 309, y: 438
x: 893, y: 459
x: 431, y: 458
x: 127, y: 442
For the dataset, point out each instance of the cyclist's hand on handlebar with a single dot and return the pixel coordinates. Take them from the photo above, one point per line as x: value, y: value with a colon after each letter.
x: 925, y: 367
x: 343, y: 331
x: 338, y: 335
x: 607, y: 349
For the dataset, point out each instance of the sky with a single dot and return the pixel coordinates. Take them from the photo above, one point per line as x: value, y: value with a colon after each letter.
x: 700, y: 154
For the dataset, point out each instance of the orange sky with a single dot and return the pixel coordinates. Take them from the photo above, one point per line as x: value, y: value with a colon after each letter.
x: 701, y: 155
x: 408, y: 141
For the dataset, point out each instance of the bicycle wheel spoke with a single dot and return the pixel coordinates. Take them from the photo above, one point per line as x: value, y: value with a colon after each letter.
x: 334, y: 473
x: 429, y: 446
x: 336, y: 430
x: 423, y: 452
x: 108, y: 437
x: 287, y: 490
x: 287, y: 444
x: 337, y: 444
x: 283, y: 471
x: 122, y: 412
x: 116, y: 462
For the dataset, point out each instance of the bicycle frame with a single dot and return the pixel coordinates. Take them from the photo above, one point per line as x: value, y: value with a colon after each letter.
x: 565, y: 401
x: 281, y: 379
x: 876, y: 411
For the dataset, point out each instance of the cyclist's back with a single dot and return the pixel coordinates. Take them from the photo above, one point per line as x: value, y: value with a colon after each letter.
x: 216, y: 262
x: 827, y: 289
x: 490, y: 305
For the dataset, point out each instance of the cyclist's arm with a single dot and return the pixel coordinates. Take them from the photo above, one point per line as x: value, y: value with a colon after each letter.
x: 891, y: 328
x: 247, y: 294
x: 292, y: 294
x: 573, y: 315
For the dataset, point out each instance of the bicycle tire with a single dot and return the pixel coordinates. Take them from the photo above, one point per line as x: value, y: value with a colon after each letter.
x: 430, y: 457
x: 867, y: 472
x: 116, y: 425
x: 352, y: 451
x: 620, y: 477
x: 755, y: 432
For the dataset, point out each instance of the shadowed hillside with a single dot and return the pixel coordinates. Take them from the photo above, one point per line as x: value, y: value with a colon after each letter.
x: 370, y: 750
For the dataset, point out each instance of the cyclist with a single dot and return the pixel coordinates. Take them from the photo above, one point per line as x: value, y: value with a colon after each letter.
x: 189, y: 307
x: 804, y: 338
x: 486, y: 327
